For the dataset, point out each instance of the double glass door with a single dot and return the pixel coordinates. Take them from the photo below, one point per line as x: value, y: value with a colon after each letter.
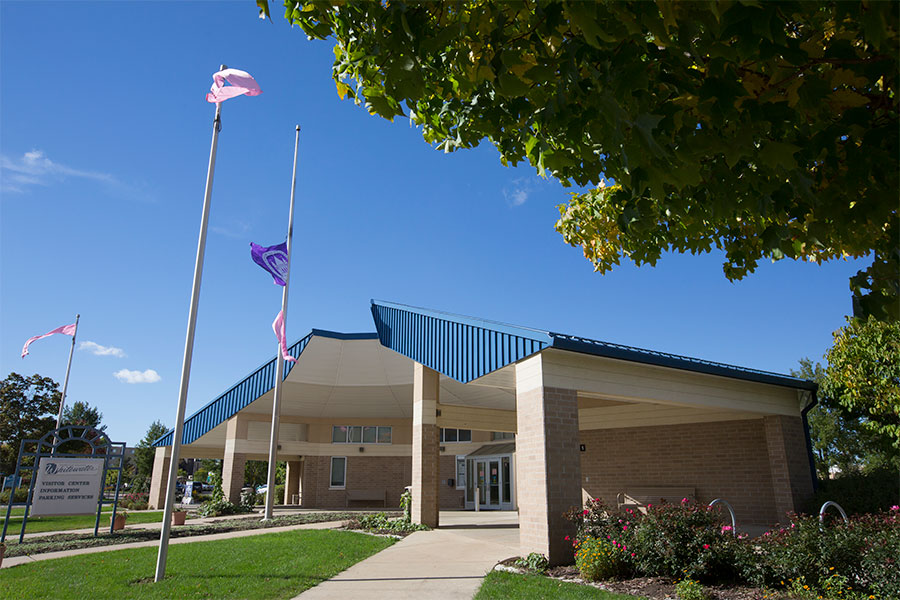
x: 489, y: 483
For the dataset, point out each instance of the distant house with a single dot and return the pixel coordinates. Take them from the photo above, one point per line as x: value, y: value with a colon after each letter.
x: 472, y: 411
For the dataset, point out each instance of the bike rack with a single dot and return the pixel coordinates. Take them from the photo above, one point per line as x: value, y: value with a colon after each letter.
x: 825, y: 507
x: 730, y: 510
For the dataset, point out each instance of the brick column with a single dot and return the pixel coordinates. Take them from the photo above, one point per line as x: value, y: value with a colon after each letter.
x: 160, y: 477
x: 426, y: 452
x: 792, y: 480
x: 309, y: 474
x: 291, y: 480
x: 548, y: 465
x: 233, y: 473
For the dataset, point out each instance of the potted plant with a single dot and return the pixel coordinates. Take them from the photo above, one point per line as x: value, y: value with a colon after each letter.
x: 178, y: 517
x: 119, y: 521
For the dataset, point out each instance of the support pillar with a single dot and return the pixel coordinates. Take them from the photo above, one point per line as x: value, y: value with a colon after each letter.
x: 426, y: 452
x: 309, y: 474
x: 548, y: 464
x: 233, y: 473
x: 792, y: 479
x: 159, y: 476
x: 291, y: 480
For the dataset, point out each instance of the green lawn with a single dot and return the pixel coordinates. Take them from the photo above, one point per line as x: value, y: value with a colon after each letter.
x: 502, y: 586
x: 65, y: 523
x: 275, y: 565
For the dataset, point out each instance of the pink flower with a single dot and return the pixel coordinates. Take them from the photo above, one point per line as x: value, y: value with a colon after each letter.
x: 632, y: 555
x: 706, y: 546
x: 895, y: 507
x: 625, y: 528
x: 649, y: 506
x: 567, y: 538
x: 684, y: 500
x: 726, y: 528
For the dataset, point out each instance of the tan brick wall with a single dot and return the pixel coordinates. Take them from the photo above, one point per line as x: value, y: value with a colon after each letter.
x: 159, y: 479
x: 548, y: 470
x: 233, y: 467
x: 727, y: 459
x: 389, y: 473
x: 789, y: 460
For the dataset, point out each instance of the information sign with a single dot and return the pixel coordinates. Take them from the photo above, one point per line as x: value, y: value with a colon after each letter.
x: 67, y: 486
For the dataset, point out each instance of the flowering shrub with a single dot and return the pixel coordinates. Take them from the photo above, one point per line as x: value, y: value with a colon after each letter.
x: 859, y: 559
x: 859, y: 556
x: 134, y: 501
x: 598, y: 559
x: 686, y: 538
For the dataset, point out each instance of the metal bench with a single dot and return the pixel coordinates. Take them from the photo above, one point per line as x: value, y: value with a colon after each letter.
x: 637, y: 498
x: 367, y: 496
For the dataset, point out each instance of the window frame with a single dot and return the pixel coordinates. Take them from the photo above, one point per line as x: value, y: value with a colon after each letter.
x: 348, y: 434
x: 331, y: 485
x: 457, y: 440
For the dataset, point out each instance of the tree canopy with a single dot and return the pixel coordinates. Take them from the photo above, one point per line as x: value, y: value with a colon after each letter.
x: 841, y: 440
x: 764, y: 129
x: 82, y: 413
x: 145, y: 453
x: 863, y: 374
x: 28, y: 408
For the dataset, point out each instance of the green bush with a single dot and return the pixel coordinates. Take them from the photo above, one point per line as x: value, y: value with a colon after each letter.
x: 685, y: 539
x: 598, y: 521
x: 380, y: 522
x: 21, y: 495
x: 857, y: 493
x: 862, y: 555
x: 279, y: 494
x: 688, y: 589
x: 535, y: 563
x: 598, y: 559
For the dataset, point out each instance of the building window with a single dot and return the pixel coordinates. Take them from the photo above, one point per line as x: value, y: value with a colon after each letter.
x: 502, y: 435
x: 456, y: 435
x: 338, y: 471
x: 460, y: 472
x: 355, y: 434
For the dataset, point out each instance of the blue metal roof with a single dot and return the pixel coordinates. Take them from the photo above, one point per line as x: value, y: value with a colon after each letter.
x: 462, y: 348
x: 466, y: 348
x: 248, y: 389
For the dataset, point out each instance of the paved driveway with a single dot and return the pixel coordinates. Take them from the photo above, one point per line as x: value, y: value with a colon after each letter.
x: 449, y: 562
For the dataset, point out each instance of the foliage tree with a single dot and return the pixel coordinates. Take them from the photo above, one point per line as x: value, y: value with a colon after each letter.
x: 841, y: 442
x: 863, y: 374
x: 144, y: 454
x: 82, y: 413
x: 28, y: 408
x: 764, y: 129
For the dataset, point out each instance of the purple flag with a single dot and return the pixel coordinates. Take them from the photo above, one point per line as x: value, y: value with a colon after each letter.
x: 273, y: 259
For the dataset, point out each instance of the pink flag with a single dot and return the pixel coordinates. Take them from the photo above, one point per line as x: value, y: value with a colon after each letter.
x: 241, y: 83
x: 278, y: 326
x: 65, y: 330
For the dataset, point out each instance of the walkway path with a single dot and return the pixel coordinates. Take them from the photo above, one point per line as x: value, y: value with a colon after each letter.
x: 446, y: 563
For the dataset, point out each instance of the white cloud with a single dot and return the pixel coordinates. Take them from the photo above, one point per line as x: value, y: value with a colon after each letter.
x: 36, y: 169
x: 148, y: 376
x: 517, y: 193
x: 99, y: 350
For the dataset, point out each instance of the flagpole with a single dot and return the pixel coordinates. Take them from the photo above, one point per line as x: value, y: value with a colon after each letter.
x: 279, y: 369
x: 62, y: 401
x: 188, y: 353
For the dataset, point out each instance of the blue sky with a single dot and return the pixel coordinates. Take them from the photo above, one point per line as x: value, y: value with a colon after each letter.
x: 104, y: 143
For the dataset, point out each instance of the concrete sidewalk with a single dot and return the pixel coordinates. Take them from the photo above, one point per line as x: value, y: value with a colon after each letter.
x: 449, y: 562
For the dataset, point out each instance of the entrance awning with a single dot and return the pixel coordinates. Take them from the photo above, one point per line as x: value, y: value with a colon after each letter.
x: 494, y: 449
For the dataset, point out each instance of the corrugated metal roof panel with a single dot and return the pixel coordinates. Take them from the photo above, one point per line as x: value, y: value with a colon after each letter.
x: 462, y: 348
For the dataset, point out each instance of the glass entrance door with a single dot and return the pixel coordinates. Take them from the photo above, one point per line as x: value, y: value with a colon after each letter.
x: 492, y: 483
